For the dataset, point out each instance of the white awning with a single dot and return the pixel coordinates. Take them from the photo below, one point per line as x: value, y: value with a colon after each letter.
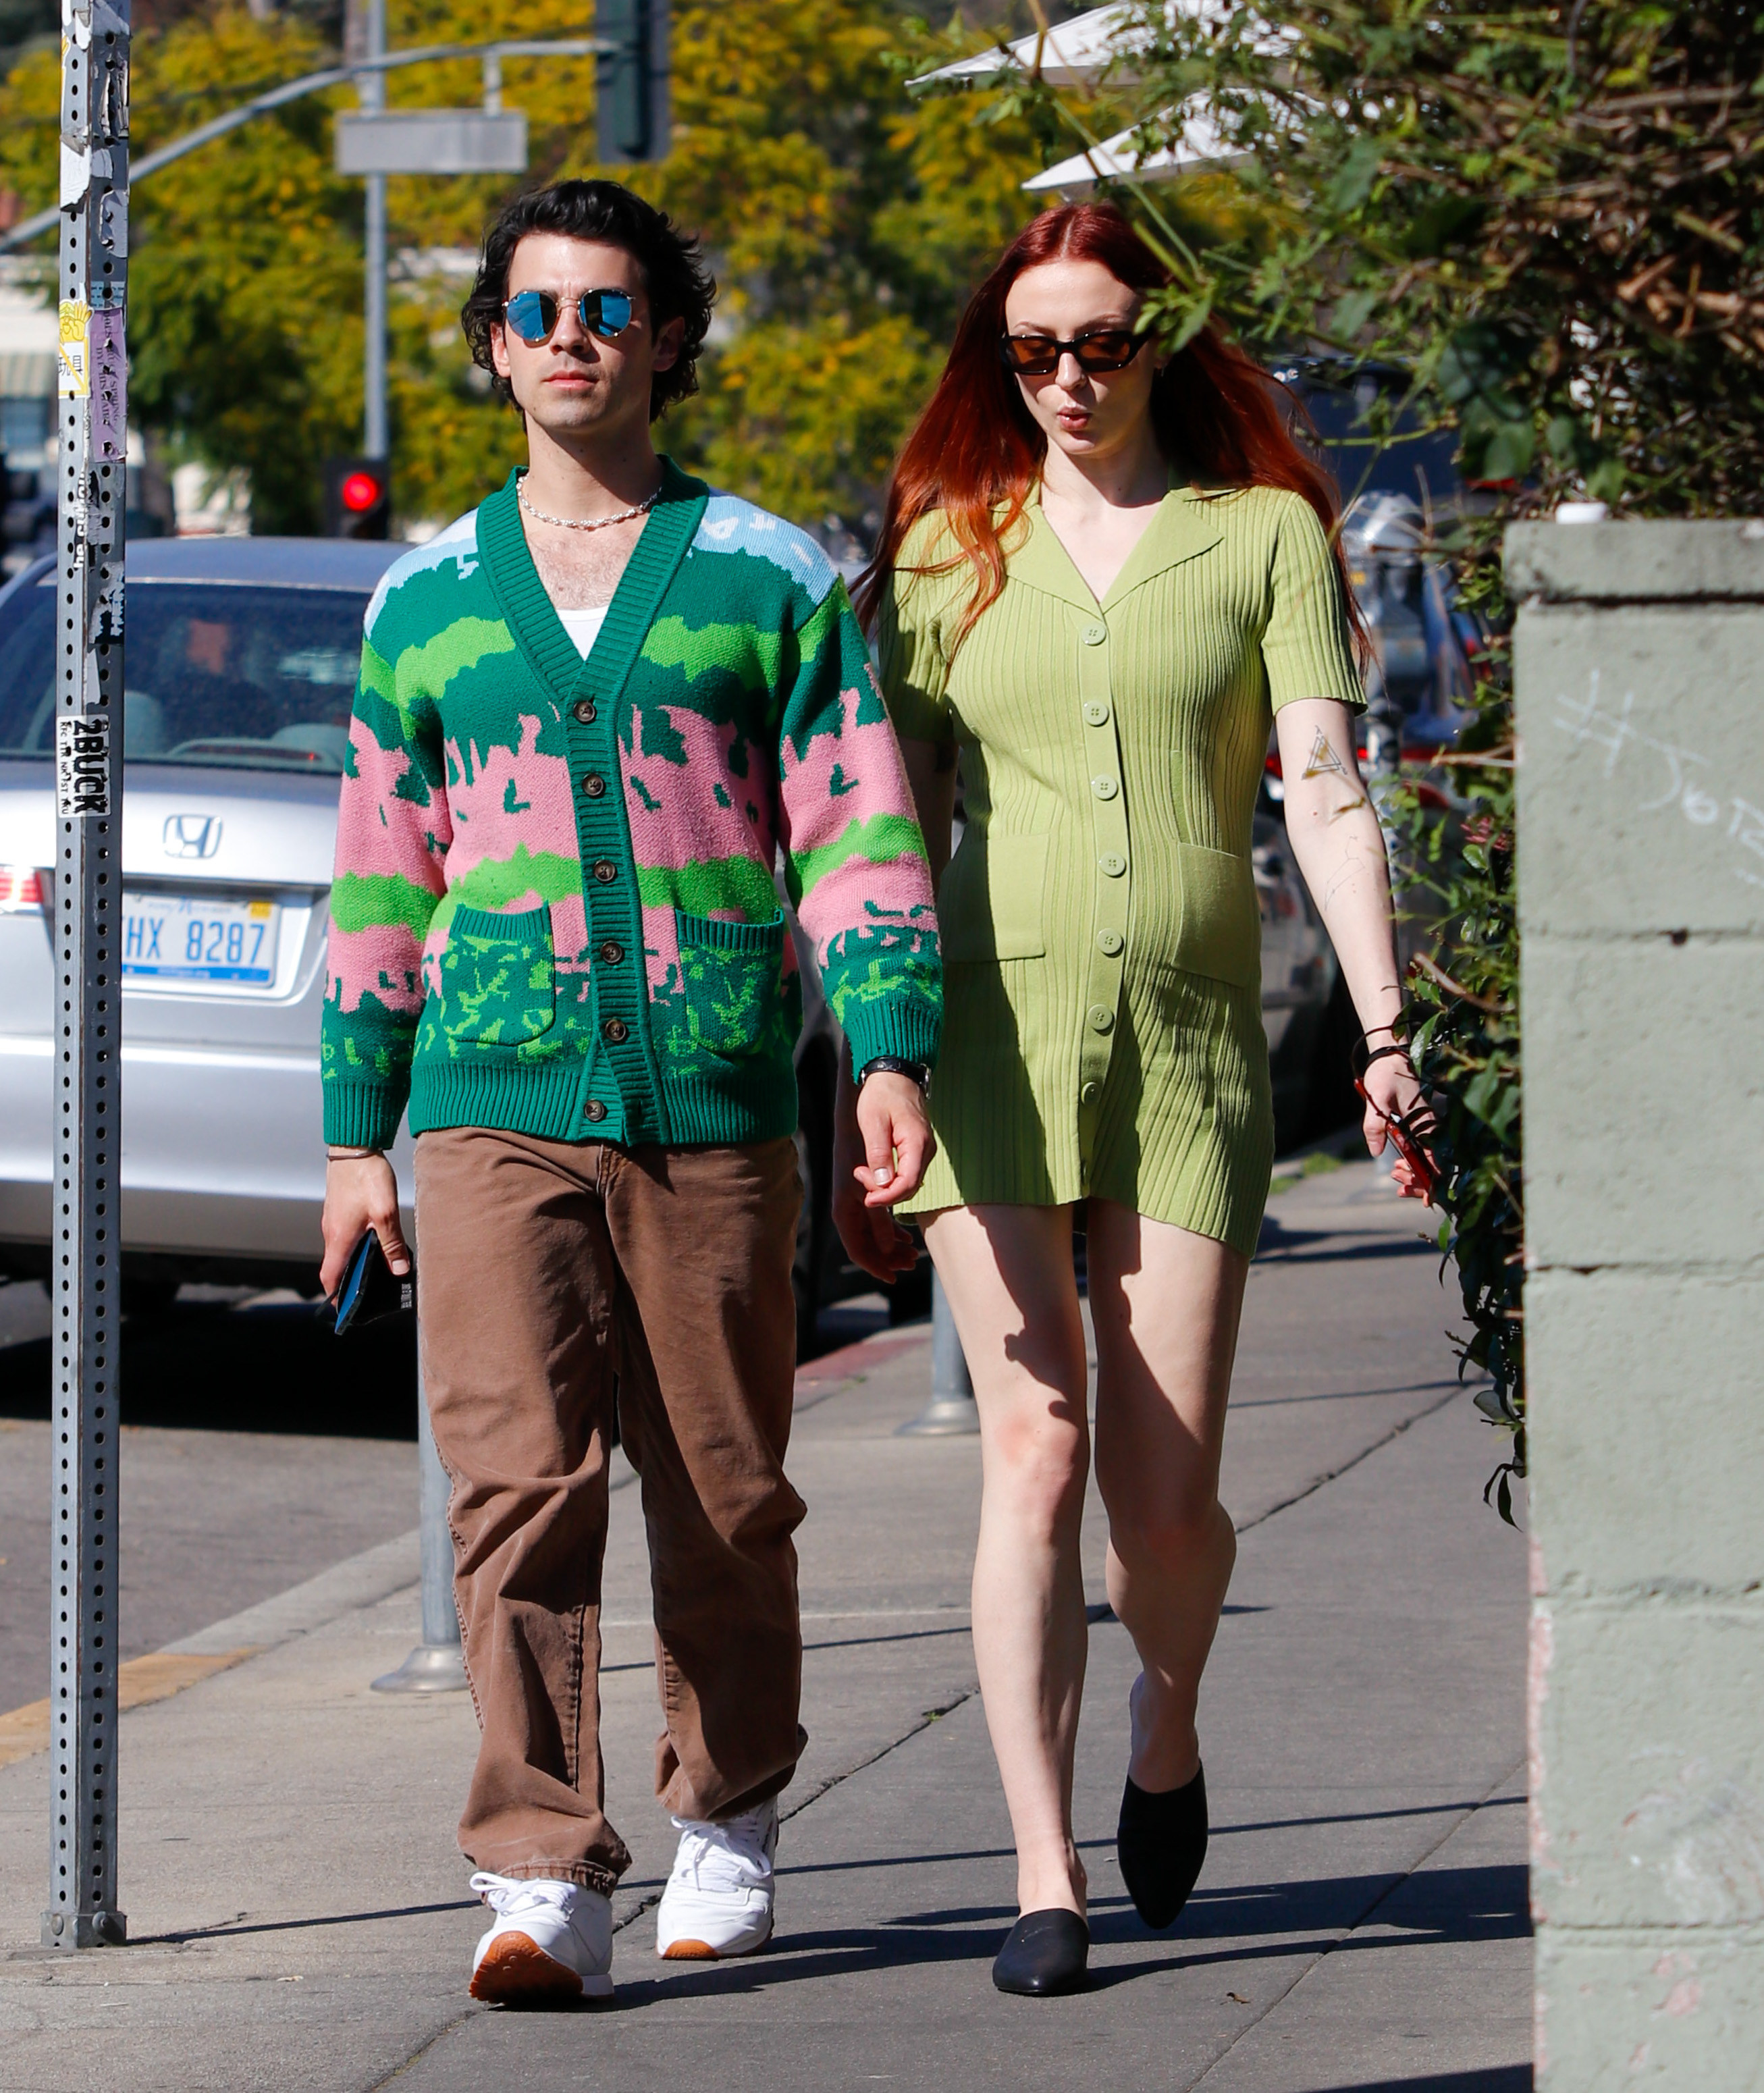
x: 1072, y: 52
x: 28, y: 374
x: 1198, y: 145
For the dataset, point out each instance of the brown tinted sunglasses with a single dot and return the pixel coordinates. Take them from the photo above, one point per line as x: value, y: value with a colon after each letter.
x: 1100, y: 349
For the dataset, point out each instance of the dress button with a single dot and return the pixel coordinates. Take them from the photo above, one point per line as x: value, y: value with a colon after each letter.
x: 1102, y: 1017
x: 1087, y: 1093
x: 1095, y: 712
x: 611, y: 953
x: 604, y: 870
x: 1113, y: 863
x: 615, y: 1031
x: 594, y: 784
x: 1105, y: 788
x: 594, y: 1111
x: 1111, y: 941
x: 1093, y: 635
x: 583, y: 709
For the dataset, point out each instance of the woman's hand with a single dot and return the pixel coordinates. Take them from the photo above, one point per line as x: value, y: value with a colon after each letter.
x: 882, y: 1145
x: 361, y: 1193
x: 1392, y: 1091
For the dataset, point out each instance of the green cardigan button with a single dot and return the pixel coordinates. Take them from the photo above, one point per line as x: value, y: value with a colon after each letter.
x: 1105, y: 788
x: 1093, y: 635
x: 583, y: 709
x: 615, y: 1031
x: 605, y: 871
x: 1095, y: 712
x: 1113, y: 863
x: 1111, y: 941
x: 611, y: 952
x: 594, y: 784
x: 1102, y: 1017
x: 1088, y: 1092
x: 594, y: 1111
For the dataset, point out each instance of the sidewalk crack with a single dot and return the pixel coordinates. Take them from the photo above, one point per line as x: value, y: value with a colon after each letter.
x: 1365, y: 1453
x: 1366, y: 1918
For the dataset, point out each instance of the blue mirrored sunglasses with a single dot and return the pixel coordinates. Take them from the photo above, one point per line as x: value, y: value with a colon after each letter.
x: 533, y: 314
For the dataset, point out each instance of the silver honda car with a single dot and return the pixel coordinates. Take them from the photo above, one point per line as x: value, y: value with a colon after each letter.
x: 240, y: 664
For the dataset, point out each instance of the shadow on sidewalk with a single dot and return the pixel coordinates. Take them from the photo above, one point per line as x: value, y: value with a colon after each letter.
x: 1438, y: 1907
x: 1496, y: 2078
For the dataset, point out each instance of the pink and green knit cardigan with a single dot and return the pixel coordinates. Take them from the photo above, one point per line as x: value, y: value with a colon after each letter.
x: 554, y: 908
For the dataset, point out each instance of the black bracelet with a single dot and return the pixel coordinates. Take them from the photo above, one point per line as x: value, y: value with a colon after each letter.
x: 891, y: 1064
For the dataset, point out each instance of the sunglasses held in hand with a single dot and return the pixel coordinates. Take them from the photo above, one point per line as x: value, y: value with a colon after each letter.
x: 533, y: 315
x: 1409, y: 1131
x: 1097, y: 350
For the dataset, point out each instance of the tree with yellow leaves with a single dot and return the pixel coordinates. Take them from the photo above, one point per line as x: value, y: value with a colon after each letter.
x: 845, y: 224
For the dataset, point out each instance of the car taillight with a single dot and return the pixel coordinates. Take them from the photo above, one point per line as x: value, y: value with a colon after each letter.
x: 21, y: 889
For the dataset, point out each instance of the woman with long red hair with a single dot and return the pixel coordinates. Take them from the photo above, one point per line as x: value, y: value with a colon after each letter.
x: 1104, y: 569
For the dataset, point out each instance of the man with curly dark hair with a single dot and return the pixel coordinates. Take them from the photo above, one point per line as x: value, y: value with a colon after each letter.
x: 593, y: 715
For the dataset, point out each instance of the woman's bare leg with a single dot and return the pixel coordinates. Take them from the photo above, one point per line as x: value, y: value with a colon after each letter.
x: 1007, y: 1271
x: 1166, y: 1304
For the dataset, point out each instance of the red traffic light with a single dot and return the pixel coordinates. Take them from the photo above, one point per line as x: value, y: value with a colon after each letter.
x: 357, y: 497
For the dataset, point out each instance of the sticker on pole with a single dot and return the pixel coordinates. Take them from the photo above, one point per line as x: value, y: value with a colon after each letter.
x: 82, y: 764
x: 74, y: 377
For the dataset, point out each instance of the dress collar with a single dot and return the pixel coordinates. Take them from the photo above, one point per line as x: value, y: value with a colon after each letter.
x: 1185, y: 526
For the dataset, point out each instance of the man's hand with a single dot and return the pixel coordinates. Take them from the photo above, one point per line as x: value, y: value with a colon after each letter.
x: 882, y: 1145
x: 361, y: 1193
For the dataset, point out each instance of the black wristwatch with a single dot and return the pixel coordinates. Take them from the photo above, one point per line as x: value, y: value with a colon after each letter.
x: 891, y: 1064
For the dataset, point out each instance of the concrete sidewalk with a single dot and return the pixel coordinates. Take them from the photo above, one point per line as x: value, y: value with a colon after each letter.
x: 298, y: 1915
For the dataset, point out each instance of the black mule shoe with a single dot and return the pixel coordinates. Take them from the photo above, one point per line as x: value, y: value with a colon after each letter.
x: 1161, y: 1844
x: 1044, y: 1953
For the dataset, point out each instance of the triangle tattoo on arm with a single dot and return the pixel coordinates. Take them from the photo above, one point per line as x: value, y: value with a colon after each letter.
x: 1323, y: 759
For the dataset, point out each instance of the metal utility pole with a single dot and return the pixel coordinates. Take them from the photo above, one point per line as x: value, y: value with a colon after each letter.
x: 91, y: 499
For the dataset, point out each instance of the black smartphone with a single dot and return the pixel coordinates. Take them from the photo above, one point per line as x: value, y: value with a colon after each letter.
x: 370, y: 1289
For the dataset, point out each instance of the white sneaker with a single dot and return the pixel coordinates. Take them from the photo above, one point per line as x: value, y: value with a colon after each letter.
x: 718, y: 1900
x: 551, y: 1940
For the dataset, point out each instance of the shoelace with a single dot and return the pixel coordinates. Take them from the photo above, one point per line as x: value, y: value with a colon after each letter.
x: 729, y: 1856
x: 508, y: 1896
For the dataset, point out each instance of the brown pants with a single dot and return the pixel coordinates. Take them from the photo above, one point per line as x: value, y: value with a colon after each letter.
x: 547, y: 1266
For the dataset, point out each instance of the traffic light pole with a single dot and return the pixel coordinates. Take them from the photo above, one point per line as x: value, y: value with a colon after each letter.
x: 376, y: 442
x: 92, y: 501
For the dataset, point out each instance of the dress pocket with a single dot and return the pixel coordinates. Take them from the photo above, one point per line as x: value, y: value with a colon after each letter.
x: 990, y: 905
x: 498, y: 985
x: 731, y: 974
x: 1221, y: 934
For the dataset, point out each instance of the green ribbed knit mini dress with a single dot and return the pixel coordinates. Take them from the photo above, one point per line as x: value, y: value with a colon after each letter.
x: 1100, y: 925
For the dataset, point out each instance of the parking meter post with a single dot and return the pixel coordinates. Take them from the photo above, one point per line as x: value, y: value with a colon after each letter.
x: 437, y: 1665
x: 91, y: 503
x: 951, y: 1412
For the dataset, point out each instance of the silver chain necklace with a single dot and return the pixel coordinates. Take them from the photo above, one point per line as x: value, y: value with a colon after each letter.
x: 577, y: 522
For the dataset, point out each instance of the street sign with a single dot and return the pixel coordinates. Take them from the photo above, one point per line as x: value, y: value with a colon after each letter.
x: 431, y: 142
x: 91, y: 415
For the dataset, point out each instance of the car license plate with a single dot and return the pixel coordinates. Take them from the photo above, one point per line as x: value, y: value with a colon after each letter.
x: 182, y: 937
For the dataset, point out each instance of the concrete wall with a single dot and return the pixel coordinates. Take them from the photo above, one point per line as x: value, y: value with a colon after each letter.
x: 1640, y: 704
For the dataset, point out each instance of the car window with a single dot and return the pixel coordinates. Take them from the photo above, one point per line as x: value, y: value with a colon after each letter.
x: 242, y: 676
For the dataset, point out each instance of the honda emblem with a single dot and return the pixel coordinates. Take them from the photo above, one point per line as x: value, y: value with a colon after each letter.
x: 192, y: 835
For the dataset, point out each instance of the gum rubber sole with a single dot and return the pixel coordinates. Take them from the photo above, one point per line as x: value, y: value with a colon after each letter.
x: 516, y: 1971
x: 701, y: 1951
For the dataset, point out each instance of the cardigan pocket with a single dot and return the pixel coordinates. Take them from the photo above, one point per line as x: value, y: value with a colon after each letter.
x: 992, y: 903
x: 731, y: 975
x: 499, y: 986
x: 1220, y: 933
